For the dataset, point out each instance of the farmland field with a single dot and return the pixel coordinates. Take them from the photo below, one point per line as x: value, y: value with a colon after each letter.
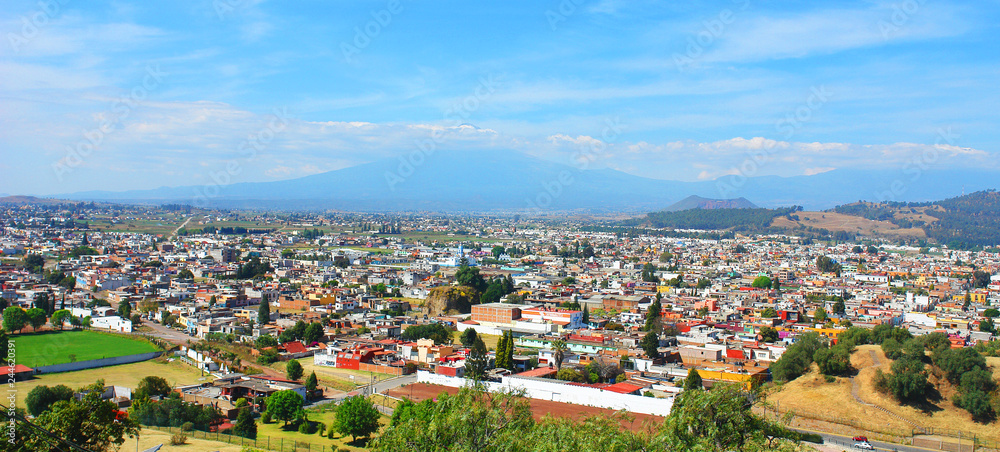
x: 45, y: 349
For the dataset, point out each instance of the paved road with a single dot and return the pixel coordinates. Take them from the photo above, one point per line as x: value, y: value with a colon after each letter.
x: 168, y: 334
x: 846, y: 442
x: 380, y: 387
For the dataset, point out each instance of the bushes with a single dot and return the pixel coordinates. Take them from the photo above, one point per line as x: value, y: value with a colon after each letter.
x: 892, y: 349
x: 177, y: 439
x: 797, y: 359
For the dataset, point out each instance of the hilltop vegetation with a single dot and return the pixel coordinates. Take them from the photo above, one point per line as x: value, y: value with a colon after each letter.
x: 739, y: 220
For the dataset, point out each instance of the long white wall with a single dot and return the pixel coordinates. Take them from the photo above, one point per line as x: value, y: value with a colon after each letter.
x: 556, y: 391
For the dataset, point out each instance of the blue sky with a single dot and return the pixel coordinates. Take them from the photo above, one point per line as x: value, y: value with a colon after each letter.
x: 127, y: 95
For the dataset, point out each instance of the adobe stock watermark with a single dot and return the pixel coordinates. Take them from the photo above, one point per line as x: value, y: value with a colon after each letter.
x: 561, y: 13
x: 454, y: 116
x: 712, y: 30
x: 581, y: 160
x: 786, y: 127
x: 901, y: 14
x: 32, y: 24
x: 914, y: 168
x: 224, y: 8
x: 120, y: 110
x: 248, y: 149
x: 364, y: 35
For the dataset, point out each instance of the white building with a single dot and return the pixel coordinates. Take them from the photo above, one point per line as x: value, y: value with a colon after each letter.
x: 113, y: 323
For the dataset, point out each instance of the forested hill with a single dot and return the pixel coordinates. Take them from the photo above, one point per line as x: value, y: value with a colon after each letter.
x: 967, y: 221
x: 740, y: 220
x: 962, y: 222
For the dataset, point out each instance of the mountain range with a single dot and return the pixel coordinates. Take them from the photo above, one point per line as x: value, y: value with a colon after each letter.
x: 485, y: 181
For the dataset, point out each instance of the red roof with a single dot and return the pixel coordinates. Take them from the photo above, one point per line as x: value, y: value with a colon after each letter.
x: 540, y: 372
x: 294, y: 347
x: 623, y: 388
x: 21, y: 368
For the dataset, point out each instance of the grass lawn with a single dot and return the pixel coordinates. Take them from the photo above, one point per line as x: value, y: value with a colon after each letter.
x: 48, y: 348
x: 276, y: 431
x: 176, y: 373
x: 490, y: 340
x: 339, y: 379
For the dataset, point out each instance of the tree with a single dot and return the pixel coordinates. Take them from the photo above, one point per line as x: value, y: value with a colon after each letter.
x: 469, y: 276
x: 472, y: 420
x: 834, y: 360
x: 693, y: 380
x: 826, y: 265
x: 265, y: 341
x: 435, y: 331
x: 721, y: 419
x: 649, y: 273
x: 653, y: 315
x: 293, y: 369
x: 283, y: 405
x: 43, y: 302
x: 91, y: 423
x: 314, y: 332
x: 312, y: 382
x: 839, y: 307
x: 185, y: 274
x: 34, y: 263
x: 41, y: 398
x: 650, y: 344
x: 586, y: 315
x: 356, y: 416
x: 245, y: 425
x: 776, y: 284
x: 36, y: 317
x: 478, y: 361
x: 60, y: 318
x: 820, y: 315
x: 299, y: 330
x: 468, y: 337
x: 769, y: 313
x: 505, y: 351
x: 797, y: 358
x: 124, y: 309
x: 263, y: 313
x: 987, y: 326
x: 570, y: 374
x: 761, y: 282
x: 768, y: 334
x: 152, y: 385
x: 559, y: 349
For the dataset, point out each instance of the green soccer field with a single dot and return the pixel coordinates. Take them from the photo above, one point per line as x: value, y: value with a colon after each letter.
x: 46, y: 349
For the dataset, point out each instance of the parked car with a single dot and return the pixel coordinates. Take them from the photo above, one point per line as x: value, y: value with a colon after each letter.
x: 864, y: 446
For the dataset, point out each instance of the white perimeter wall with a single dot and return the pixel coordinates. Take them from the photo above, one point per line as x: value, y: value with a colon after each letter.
x: 556, y: 391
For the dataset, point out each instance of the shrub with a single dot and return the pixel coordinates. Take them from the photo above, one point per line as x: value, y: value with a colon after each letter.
x: 177, y: 439
x: 266, y: 417
x: 187, y: 426
x: 304, y: 427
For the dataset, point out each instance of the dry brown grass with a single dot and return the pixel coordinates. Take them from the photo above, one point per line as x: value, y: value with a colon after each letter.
x: 811, y: 394
x: 840, y: 222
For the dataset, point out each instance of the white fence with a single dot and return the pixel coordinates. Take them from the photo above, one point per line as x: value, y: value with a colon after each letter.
x: 557, y: 391
x: 92, y: 363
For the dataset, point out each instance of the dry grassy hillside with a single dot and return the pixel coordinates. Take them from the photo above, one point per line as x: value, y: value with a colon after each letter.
x: 811, y: 394
x: 833, y: 222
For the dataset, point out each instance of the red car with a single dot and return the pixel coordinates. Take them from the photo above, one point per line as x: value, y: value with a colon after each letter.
x: 861, y: 438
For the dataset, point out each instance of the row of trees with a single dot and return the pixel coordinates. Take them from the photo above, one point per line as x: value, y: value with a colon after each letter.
x: 475, y: 420
x: 16, y: 319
